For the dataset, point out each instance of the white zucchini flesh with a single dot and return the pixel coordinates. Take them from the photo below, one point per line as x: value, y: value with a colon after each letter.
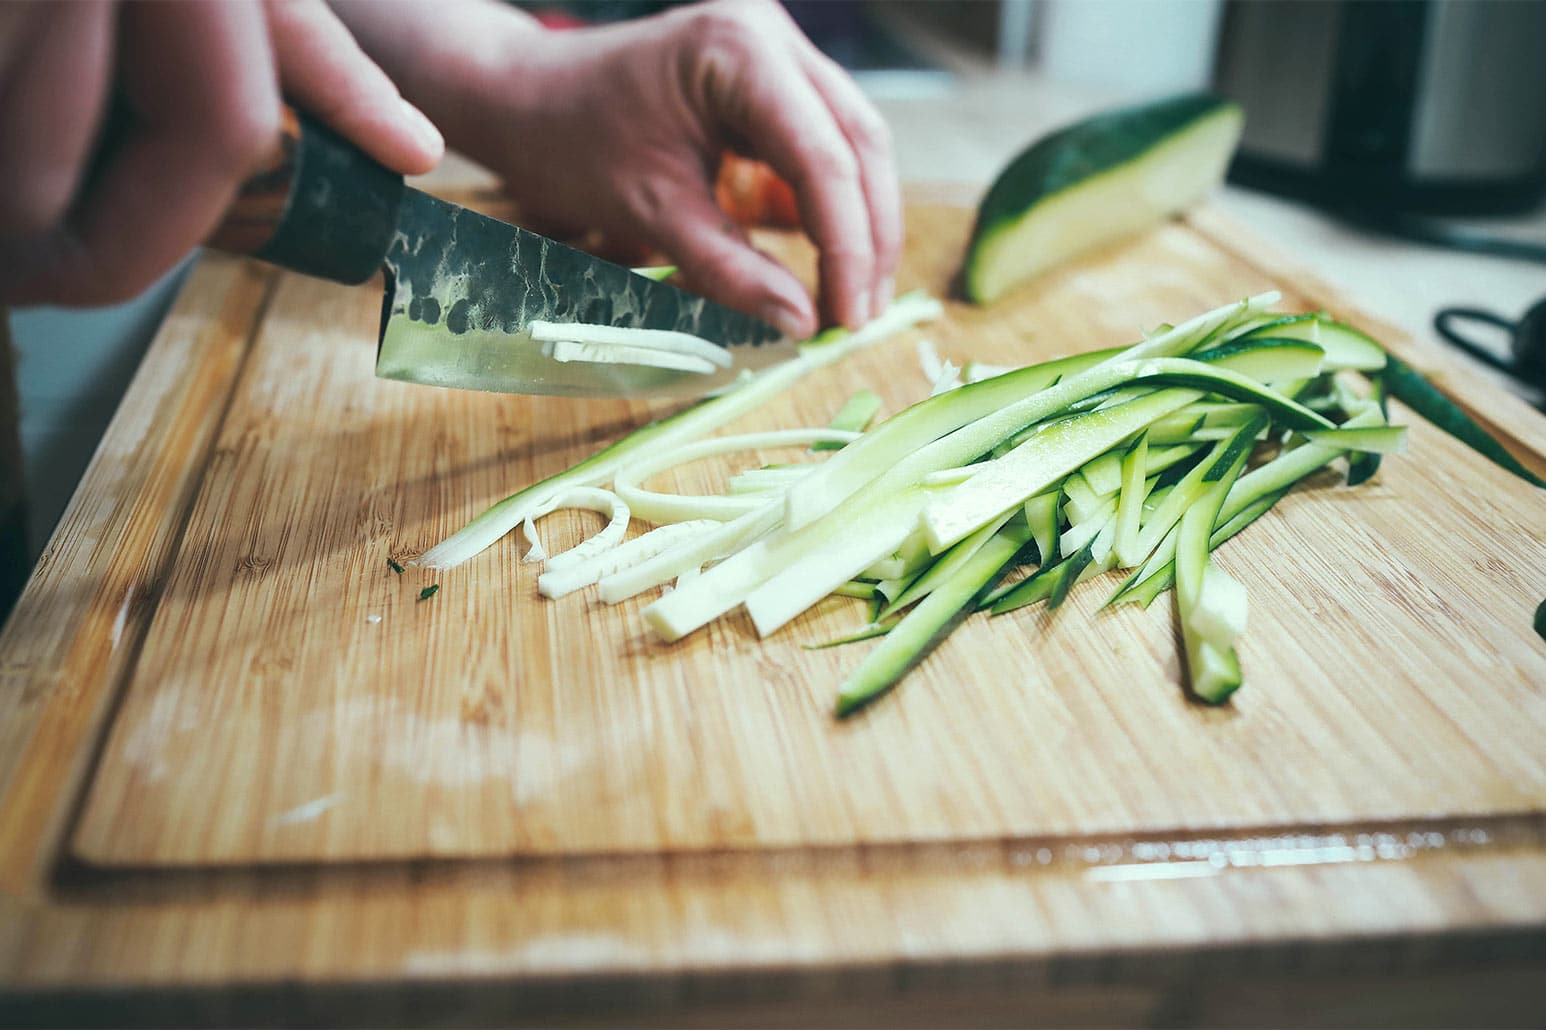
x: 1103, y: 475
x: 947, y: 566
x: 711, y: 545
x: 568, y: 577
x: 1038, y: 463
x: 1212, y: 667
x: 1154, y: 525
x: 1134, y: 490
x: 949, y: 378
x: 1370, y: 439
x: 929, y: 361
x: 1041, y: 515
x: 654, y: 506
x: 661, y: 341
x: 604, y: 501
x: 618, y: 354
x: 1003, y: 399
x: 911, y: 638
x: 1079, y: 498
x: 1087, y: 528
x: 1221, y: 609
x: 690, y: 424
x: 1345, y: 347
x: 826, y: 553
x: 765, y: 480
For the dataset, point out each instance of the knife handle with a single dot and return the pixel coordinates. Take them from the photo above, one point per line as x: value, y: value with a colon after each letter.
x: 318, y: 205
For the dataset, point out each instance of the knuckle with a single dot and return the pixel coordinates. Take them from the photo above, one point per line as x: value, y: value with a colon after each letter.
x: 34, y: 204
x: 849, y: 253
x: 827, y: 164
x: 241, y: 141
x: 871, y: 132
x: 723, y: 24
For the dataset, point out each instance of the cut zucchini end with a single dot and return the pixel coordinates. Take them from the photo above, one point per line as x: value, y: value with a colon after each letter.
x: 1095, y: 182
x: 868, y: 683
x: 1214, y: 673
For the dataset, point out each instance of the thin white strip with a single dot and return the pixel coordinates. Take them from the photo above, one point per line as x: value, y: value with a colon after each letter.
x: 616, y: 354
x: 664, y: 340
x: 1152, y: 871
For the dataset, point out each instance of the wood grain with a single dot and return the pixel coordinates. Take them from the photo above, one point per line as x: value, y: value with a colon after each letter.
x: 532, y: 809
x: 75, y: 632
x: 490, y: 722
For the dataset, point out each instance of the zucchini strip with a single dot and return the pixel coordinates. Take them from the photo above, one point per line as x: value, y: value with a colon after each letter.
x: 929, y: 621
x: 560, y: 578
x: 662, y: 507
x: 686, y: 425
x: 1135, y: 489
x: 712, y: 545
x: 999, y: 406
x: 617, y: 354
x: 1210, y: 602
x: 869, y: 631
x: 604, y: 501
x: 943, y: 569
x: 854, y: 416
x: 1409, y: 386
x: 600, y: 337
x: 1373, y: 439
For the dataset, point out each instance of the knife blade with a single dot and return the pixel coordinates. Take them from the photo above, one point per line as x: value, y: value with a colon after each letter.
x: 462, y: 289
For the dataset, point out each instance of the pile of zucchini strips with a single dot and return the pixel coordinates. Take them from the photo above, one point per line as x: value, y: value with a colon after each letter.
x: 1004, y: 488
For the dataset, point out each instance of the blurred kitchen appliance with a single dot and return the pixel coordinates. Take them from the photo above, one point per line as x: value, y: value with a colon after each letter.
x: 1431, y: 106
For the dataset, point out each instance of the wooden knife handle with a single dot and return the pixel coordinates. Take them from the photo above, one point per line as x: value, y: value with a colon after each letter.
x: 319, y: 205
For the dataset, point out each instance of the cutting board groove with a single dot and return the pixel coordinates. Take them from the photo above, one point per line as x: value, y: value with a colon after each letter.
x: 534, y: 810
x: 268, y: 720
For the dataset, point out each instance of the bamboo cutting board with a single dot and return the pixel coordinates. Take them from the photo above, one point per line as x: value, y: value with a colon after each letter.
x: 211, y: 601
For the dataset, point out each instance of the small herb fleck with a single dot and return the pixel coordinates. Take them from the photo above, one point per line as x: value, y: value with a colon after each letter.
x: 392, y: 564
x: 428, y: 592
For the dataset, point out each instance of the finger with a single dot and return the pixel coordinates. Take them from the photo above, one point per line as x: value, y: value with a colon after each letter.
x: 52, y: 90
x: 326, y: 74
x: 207, y: 109
x: 870, y: 138
x: 714, y: 255
x: 787, y: 123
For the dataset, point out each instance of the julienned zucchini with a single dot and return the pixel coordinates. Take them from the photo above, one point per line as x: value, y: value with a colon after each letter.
x: 1134, y: 458
x: 1096, y: 181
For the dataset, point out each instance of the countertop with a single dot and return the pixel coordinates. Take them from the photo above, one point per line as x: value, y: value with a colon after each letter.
x: 1002, y: 928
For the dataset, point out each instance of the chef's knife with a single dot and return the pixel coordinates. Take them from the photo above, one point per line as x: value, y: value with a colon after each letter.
x: 462, y: 289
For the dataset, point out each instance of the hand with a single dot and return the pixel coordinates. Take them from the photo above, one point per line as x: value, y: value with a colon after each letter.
x: 621, y: 128
x: 203, y: 81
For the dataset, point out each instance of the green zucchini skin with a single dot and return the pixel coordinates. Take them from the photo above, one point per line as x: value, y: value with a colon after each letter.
x: 1084, y: 154
x: 1410, y: 387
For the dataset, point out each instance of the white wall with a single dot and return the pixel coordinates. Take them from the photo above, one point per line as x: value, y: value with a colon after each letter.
x: 1139, y: 48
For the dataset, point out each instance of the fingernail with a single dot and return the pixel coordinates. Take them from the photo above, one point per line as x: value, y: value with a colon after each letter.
x: 795, y: 324
x: 423, y: 129
x: 861, y: 312
x: 883, y: 294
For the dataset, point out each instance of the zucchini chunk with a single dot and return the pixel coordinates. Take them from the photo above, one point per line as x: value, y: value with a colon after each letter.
x: 1097, y: 181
